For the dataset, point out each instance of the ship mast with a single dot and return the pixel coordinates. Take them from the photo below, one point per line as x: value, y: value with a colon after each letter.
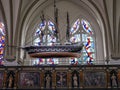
x: 43, y: 23
x: 68, y: 27
x: 56, y: 19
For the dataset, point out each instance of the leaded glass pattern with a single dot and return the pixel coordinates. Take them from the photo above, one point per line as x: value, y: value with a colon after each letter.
x: 84, y: 34
x: 75, y: 27
x: 52, y: 61
x: 37, y: 42
x: 86, y: 26
x: 43, y: 25
x: 51, y: 39
x: 2, y: 42
x: 51, y: 27
x: 75, y: 38
x: 45, y: 35
x: 80, y: 31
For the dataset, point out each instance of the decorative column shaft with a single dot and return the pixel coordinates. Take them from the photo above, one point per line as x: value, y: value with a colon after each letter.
x: 69, y: 79
x: 81, y: 79
x: 42, y: 79
x: 53, y: 79
x: 16, y: 79
x: 4, y: 79
x: 108, y: 78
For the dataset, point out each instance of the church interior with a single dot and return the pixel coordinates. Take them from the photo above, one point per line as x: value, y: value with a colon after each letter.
x: 59, y: 44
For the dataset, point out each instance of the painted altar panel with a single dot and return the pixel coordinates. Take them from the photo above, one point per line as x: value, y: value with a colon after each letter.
x: 95, y: 79
x: 61, y: 79
x: 29, y: 79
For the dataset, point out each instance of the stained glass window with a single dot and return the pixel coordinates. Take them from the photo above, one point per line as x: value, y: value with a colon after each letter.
x: 39, y: 33
x: 2, y: 41
x: 45, y: 35
x: 80, y: 31
x: 86, y: 35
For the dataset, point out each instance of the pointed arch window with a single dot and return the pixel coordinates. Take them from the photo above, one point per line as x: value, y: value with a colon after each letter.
x: 81, y: 30
x: 85, y: 34
x: 2, y: 42
x: 45, y: 35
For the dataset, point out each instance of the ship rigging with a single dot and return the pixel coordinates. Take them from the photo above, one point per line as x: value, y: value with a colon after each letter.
x: 57, y: 50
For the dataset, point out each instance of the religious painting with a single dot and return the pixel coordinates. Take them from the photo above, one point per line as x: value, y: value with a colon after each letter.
x: 75, y: 79
x: 1, y: 79
x: 113, y: 79
x: 10, y: 79
x: 29, y: 80
x: 61, y: 79
x: 95, y: 79
x: 48, y: 79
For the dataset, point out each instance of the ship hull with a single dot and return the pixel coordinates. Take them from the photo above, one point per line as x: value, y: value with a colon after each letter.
x: 54, y: 54
x: 54, y: 51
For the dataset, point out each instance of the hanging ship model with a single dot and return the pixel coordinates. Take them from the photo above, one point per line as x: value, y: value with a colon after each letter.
x: 72, y: 50
x: 57, y: 50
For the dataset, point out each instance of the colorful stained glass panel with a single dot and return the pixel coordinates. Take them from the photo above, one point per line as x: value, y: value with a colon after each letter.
x: 51, y: 38
x: 42, y: 26
x: 2, y: 41
x: 37, y: 42
x: 51, y: 27
x: 74, y: 61
x: 86, y: 26
x: 38, y: 32
x: 75, y: 26
x: 52, y: 61
x: 75, y: 38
